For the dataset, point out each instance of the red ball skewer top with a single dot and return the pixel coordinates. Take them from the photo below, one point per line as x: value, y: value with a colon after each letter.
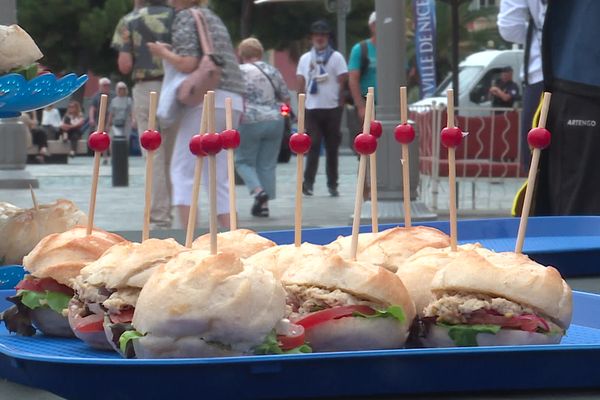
x: 230, y: 138
x: 365, y: 144
x: 211, y: 143
x: 376, y: 128
x: 196, y: 146
x: 150, y: 140
x: 300, y: 143
x: 539, y: 138
x: 404, y: 133
x: 451, y: 137
x: 99, y: 141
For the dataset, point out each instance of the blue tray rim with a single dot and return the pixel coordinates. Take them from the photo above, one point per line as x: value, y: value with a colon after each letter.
x: 20, y: 355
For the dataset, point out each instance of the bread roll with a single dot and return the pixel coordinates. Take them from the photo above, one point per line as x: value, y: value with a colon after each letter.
x: 62, y: 255
x: 22, y: 229
x: 279, y: 258
x: 241, y: 242
x: 390, y: 248
x: 17, y: 48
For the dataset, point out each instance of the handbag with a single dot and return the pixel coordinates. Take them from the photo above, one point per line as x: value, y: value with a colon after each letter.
x: 207, y: 75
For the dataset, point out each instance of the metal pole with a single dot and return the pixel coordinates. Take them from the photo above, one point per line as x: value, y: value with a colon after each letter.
x: 343, y: 7
x: 8, y: 12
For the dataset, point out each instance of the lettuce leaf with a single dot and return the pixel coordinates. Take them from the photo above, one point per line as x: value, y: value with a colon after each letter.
x: 391, y: 312
x: 55, y: 300
x: 466, y: 335
x: 27, y: 71
x: 127, y: 337
x: 271, y: 346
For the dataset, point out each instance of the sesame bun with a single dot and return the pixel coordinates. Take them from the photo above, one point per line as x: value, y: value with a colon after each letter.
x: 509, y: 275
x: 390, y: 248
x: 279, y: 258
x: 21, y: 229
x: 17, y: 48
x: 202, y: 305
x: 62, y: 255
x: 420, y: 268
x: 241, y: 242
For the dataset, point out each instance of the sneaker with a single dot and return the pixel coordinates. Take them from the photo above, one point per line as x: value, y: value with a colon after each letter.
x: 333, y: 192
x: 259, y: 205
x: 307, y: 190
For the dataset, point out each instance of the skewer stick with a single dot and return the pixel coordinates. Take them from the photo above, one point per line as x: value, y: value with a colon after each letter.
x: 230, y: 168
x: 191, y: 224
x: 149, y: 168
x: 535, y: 159
x: 212, y: 172
x: 96, y: 168
x: 360, y: 183
x: 452, y: 174
x: 373, y: 176
x: 405, y: 160
x: 299, y: 175
x: 36, y: 207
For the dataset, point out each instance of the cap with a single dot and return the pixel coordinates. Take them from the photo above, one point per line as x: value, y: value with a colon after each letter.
x: 372, y: 18
x: 320, y: 26
x: 508, y: 68
x: 104, y: 81
x: 121, y: 85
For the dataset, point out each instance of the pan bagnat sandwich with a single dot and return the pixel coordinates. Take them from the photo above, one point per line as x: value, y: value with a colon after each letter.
x: 390, y: 248
x: 106, y: 290
x: 44, y: 294
x: 279, y: 258
x: 345, y: 305
x: 202, y: 305
x: 485, y: 298
x: 241, y: 242
x: 18, y: 52
x: 21, y: 229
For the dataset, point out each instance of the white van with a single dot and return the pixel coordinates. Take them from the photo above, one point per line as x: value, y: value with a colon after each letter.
x: 476, y: 75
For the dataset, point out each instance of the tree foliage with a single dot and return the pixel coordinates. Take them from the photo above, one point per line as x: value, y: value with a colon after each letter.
x: 74, y: 35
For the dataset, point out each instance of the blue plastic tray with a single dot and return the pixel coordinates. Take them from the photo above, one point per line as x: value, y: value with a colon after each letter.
x: 571, y: 244
x: 70, y: 369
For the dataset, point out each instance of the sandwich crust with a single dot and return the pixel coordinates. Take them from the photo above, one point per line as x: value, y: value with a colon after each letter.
x: 390, y: 248
x: 62, y: 255
x: 510, y: 275
x: 278, y: 259
x: 241, y: 242
x: 199, y: 299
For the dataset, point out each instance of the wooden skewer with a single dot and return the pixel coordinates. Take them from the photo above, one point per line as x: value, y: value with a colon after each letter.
x: 231, y: 168
x: 360, y: 183
x: 36, y: 207
x: 373, y: 176
x: 535, y: 160
x: 405, y: 160
x: 149, y: 168
x: 299, y: 175
x: 96, y: 167
x: 191, y: 224
x: 452, y: 174
x: 212, y: 175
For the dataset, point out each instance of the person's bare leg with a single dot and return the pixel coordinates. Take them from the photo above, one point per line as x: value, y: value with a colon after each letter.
x: 184, y: 214
x: 223, y: 220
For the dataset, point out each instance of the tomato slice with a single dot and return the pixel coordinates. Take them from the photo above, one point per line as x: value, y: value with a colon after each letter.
x: 293, y: 339
x: 524, y: 322
x: 329, y: 314
x: 42, y: 285
x: 123, y: 317
x: 91, y: 323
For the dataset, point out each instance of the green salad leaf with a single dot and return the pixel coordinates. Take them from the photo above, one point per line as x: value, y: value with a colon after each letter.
x: 28, y: 71
x: 466, y: 335
x: 55, y: 300
x: 126, y: 337
x: 391, y: 312
x: 271, y: 346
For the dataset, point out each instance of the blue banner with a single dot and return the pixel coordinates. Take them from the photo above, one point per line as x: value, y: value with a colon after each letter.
x: 424, y: 17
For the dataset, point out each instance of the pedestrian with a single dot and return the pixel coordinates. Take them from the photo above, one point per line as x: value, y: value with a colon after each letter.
x: 120, y: 114
x: 38, y: 135
x: 504, y: 91
x: 104, y: 88
x: 149, y: 22
x: 362, y: 70
x: 261, y: 129
x: 322, y: 74
x: 51, y: 121
x: 184, y: 54
x: 521, y: 22
x: 71, y: 126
